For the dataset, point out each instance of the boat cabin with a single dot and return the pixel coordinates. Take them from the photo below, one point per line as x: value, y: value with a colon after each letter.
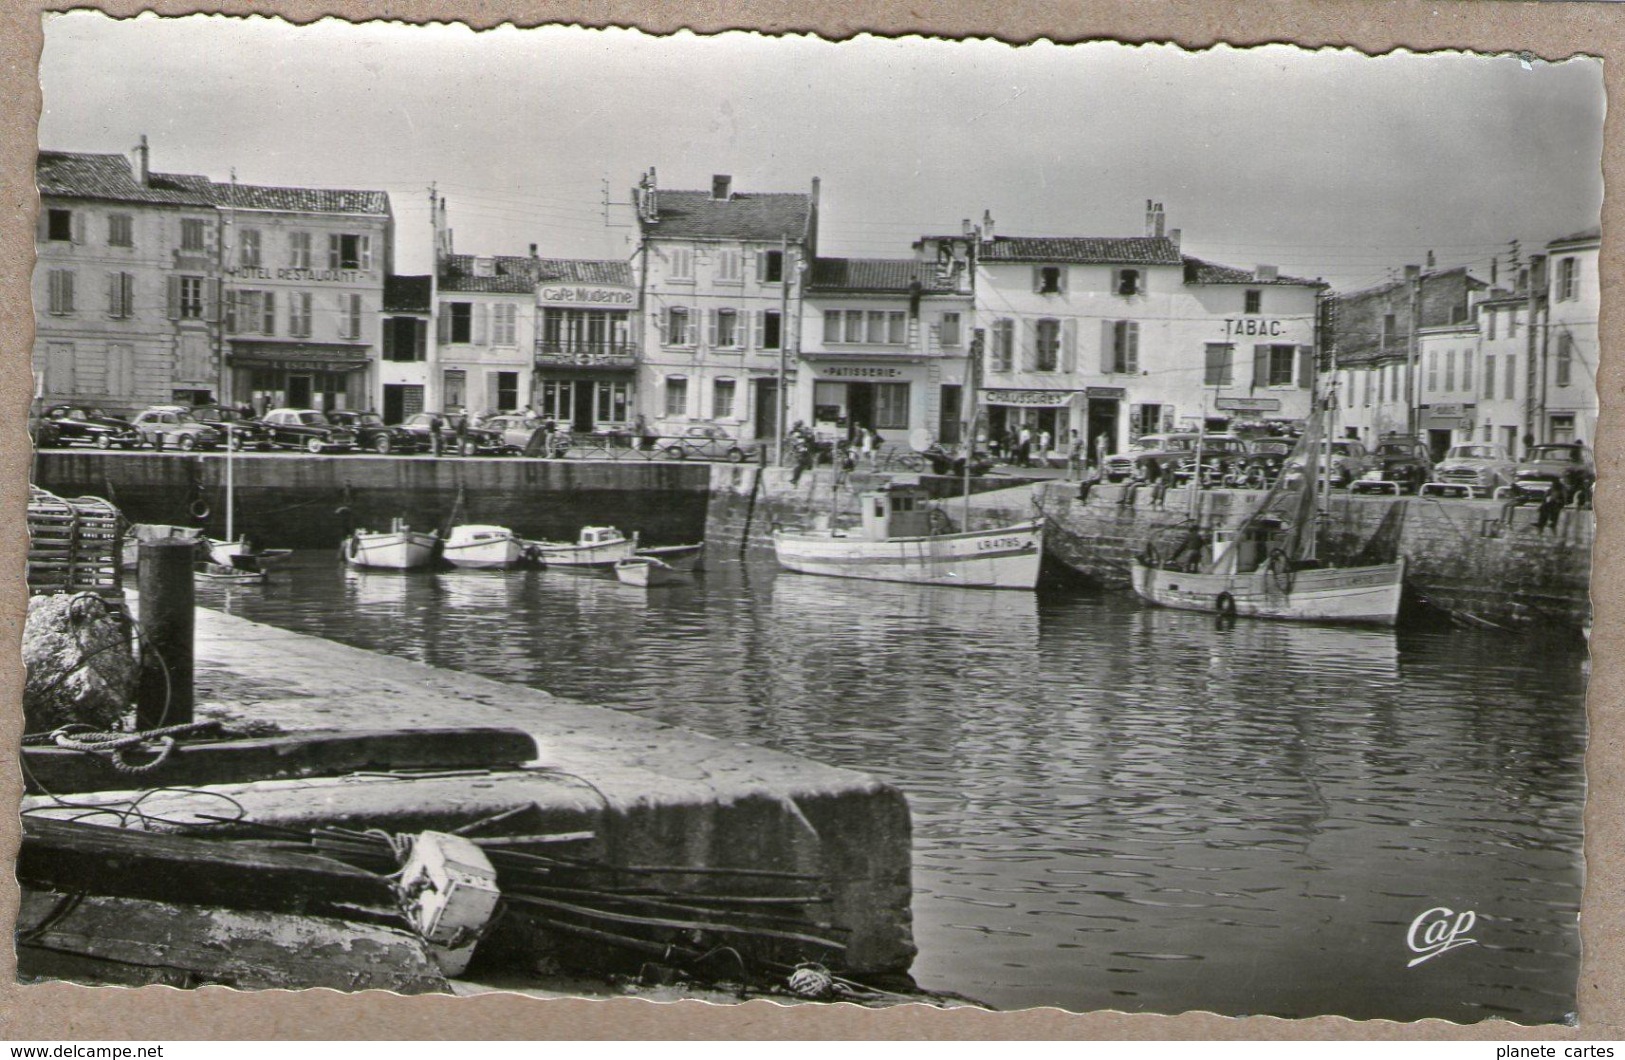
x: 600, y: 535
x: 901, y: 511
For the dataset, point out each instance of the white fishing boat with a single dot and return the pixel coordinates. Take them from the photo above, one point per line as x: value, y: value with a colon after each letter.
x: 477, y: 546
x: 678, y: 557
x: 399, y: 548
x: 895, y: 543
x: 596, y: 546
x: 646, y: 571
x: 218, y: 572
x: 1266, y: 567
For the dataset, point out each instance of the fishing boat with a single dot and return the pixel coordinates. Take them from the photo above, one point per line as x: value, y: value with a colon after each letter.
x: 1266, y: 567
x: 896, y: 543
x: 235, y: 552
x: 398, y: 548
x: 596, y: 546
x: 478, y: 546
x: 678, y: 557
x: 646, y: 572
x: 139, y: 532
x: 219, y: 572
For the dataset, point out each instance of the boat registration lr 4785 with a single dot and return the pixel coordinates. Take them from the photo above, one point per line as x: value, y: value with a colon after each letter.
x: 999, y: 544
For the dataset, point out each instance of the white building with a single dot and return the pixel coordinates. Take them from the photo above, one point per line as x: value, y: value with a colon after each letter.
x: 1567, y: 397
x: 1447, y: 357
x: 884, y: 344
x: 1503, y: 382
x: 407, y: 360
x: 587, y: 334
x: 720, y: 276
x: 1124, y: 336
x: 485, y: 308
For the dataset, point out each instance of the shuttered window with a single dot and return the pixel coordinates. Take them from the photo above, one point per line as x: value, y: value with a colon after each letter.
x: 248, y: 249
x: 60, y: 291
x: 1047, y: 345
x: 1004, y: 345
x: 1220, y: 369
x: 1120, y: 346
x: 120, y: 295
x: 120, y: 231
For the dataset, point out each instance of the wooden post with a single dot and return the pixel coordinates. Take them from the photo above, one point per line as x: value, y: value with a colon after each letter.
x: 164, y: 687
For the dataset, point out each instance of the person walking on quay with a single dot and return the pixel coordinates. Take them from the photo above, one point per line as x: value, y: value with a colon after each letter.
x: 437, y: 437
x: 866, y: 446
x: 1044, y: 441
x: 801, y: 451
x: 1074, y: 456
x: 1024, y: 447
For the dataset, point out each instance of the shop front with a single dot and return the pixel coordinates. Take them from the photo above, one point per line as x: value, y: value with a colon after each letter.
x: 298, y: 375
x: 1054, y: 411
x: 887, y: 397
x: 1444, y: 425
x: 586, y: 362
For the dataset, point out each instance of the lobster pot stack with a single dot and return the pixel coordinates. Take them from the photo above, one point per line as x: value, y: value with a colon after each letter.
x: 74, y: 546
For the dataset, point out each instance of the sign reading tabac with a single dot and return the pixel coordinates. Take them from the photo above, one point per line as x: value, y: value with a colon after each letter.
x: 583, y: 296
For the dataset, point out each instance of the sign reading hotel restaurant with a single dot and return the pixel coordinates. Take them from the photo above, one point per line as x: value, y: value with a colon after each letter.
x: 576, y: 294
x: 260, y: 272
x: 1028, y: 397
x: 1253, y: 326
x: 861, y: 371
x: 1248, y: 404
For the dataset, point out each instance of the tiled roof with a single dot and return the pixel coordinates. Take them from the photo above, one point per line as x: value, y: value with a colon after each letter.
x: 299, y: 200
x: 764, y: 217
x: 406, y: 294
x: 1472, y: 282
x: 89, y: 176
x: 1083, y: 250
x: 877, y: 274
x: 1590, y: 235
x: 509, y: 275
x: 1199, y: 271
x: 575, y: 270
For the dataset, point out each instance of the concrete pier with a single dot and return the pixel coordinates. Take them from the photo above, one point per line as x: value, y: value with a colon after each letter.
x: 654, y: 794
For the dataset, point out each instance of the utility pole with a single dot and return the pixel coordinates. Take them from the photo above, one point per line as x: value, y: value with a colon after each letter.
x: 1413, y: 382
x: 1534, y: 403
x: 784, y: 342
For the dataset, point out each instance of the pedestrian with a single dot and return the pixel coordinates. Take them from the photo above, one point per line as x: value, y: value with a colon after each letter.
x: 1074, y: 456
x: 801, y: 453
x: 1044, y: 440
x: 1132, y: 488
x: 1158, y: 476
x: 866, y: 446
x: 1024, y: 447
x: 460, y: 432
x: 1551, y: 508
x: 437, y: 439
x: 1091, y: 475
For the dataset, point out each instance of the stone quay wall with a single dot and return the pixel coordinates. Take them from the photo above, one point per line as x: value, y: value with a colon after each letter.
x: 1477, y: 558
x: 287, y: 500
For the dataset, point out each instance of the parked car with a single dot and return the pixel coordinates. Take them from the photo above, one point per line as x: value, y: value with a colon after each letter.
x: 707, y: 443
x: 1347, y: 462
x: 245, y: 431
x: 372, y: 434
x: 1481, y: 467
x: 952, y: 462
x: 513, y: 428
x: 71, y: 424
x: 172, y: 427
x: 1165, y: 450
x: 1220, y: 454
x: 474, y: 440
x: 1544, y: 466
x: 1402, y: 460
x: 1261, y: 465
x: 306, y: 429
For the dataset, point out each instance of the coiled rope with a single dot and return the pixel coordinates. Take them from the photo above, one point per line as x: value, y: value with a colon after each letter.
x: 113, y: 747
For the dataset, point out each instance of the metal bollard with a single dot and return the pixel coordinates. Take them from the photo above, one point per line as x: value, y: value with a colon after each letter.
x: 164, y: 686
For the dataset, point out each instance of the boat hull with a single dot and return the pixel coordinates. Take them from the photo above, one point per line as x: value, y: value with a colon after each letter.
x: 678, y: 557
x: 644, y: 572
x: 394, y: 550
x: 483, y: 548
x: 1004, y: 558
x: 1354, y: 595
x: 604, y: 554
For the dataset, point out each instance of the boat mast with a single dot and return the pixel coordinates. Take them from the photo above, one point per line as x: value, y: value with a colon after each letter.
x: 231, y: 486
x: 973, y: 380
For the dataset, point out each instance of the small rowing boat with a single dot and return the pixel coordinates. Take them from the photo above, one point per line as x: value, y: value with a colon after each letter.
x: 647, y: 572
x: 219, y: 572
x: 678, y: 557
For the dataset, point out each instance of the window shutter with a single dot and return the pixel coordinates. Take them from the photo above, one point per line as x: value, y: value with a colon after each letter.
x: 1069, y: 346
x: 112, y: 294
x: 758, y: 332
x: 761, y: 266
x: 386, y: 345
x: 1131, y: 332
x: 174, y: 297
x: 212, y: 291
x: 366, y: 253
x: 334, y: 245
x: 1261, y: 365
x: 665, y: 326
x: 1306, y: 367
x: 42, y: 225
x: 1038, y: 278
x: 233, y: 298
x: 481, y: 323
x: 268, y: 326
x: 420, y: 339
x: 78, y: 226
x: 443, y: 324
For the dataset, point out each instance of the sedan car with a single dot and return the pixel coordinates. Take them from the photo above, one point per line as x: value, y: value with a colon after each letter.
x: 469, y: 441
x: 1402, y: 460
x: 1478, y: 467
x: 371, y: 433
x: 172, y: 427
x: 514, y: 429
x: 306, y: 429
x: 71, y: 424
x: 706, y: 443
x: 240, y: 429
x: 1262, y: 464
x: 1164, y: 450
x: 1566, y: 463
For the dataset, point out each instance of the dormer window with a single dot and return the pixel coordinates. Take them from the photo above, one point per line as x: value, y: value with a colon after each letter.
x: 1049, y: 279
x: 1129, y: 282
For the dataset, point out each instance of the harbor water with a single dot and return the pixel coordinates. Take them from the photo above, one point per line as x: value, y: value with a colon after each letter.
x: 1114, y: 806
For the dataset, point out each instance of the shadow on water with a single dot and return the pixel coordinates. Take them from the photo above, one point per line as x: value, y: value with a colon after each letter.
x: 1114, y: 806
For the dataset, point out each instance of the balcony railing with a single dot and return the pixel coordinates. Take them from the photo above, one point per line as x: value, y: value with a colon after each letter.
x: 586, y: 354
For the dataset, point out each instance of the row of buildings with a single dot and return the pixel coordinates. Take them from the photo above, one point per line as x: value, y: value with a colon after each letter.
x: 155, y: 287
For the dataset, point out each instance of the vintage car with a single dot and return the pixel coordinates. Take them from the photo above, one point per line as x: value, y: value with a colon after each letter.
x: 1403, y: 461
x: 1221, y: 455
x: 70, y: 424
x: 1163, y: 450
x: 706, y: 443
x: 306, y: 429
x: 1262, y: 464
x: 1544, y: 466
x: 172, y: 427
x: 513, y: 428
x: 472, y: 440
x: 245, y: 432
x: 371, y: 433
x: 952, y: 461
x: 1348, y: 462
x: 1476, y: 467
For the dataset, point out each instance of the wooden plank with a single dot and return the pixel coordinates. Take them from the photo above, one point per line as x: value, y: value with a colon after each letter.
x: 130, y: 942
x: 57, y: 771
x: 72, y: 856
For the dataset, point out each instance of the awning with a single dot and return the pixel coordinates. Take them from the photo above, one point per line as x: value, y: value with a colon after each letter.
x: 298, y: 357
x: 1048, y: 399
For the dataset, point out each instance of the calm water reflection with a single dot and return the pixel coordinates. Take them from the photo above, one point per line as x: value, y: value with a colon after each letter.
x: 1114, y: 806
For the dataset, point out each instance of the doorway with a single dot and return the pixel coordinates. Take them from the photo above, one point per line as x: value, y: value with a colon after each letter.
x: 951, y: 414
x: 1102, y: 425
x: 1438, y: 443
x: 299, y: 391
x: 860, y: 407
x: 581, y: 421
x: 767, y: 409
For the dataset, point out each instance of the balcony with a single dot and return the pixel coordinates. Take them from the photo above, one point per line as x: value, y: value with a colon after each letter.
x: 550, y: 354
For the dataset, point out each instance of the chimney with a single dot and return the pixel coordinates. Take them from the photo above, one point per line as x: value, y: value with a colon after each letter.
x: 987, y: 226
x: 485, y: 266
x: 142, y: 169
x: 1430, y: 261
x: 721, y: 187
x: 1173, y: 236
x: 1158, y: 232
x: 533, y: 254
x: 817, y: 186
x: 965, y: 228
x: 1495, y: 268
x: 1153, y: 218
x: 1266, y: 273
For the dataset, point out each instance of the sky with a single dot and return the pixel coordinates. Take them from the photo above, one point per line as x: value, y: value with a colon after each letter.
x: 1326, y: 164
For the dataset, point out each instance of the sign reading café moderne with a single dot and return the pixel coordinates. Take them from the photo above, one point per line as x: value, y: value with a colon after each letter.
x: 585, y: 296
